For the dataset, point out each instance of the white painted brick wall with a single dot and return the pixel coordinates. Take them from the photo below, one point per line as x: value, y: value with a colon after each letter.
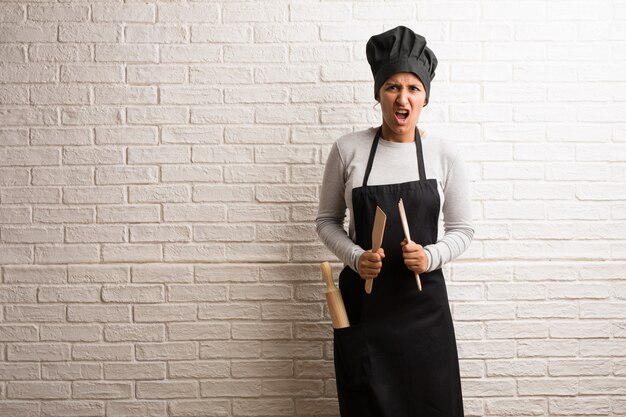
x: 160, y: 165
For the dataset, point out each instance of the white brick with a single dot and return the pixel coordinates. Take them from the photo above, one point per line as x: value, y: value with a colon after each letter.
x: 95, y: 234
x: 257, y: 54
x: 133, y: 294
x: 12, y: 177
x: 159, y: 154
x: 62, y: 176
x: 189, y: 13
x: 63, y: 215
x: 14, y: 215
x: 216, y: 74
x: 72, y: 408
x: 13, y: 13
x: 12, y: 53
x: 256, y: 95
x: 198, y: 331
x: 285, y: 32
x: 60, y: 254
x: 14, y: 137
x: 134, y: 332
x: 195, y: 173
x: 35, y: 313
x: 582, y: 405
x: 15, y: 156
x: 217, y: 33
x: 90, y: 32
x: 220, y: 232
x: 136, y: 407
x: 222, y: 193
x: 39, y: 390
x: 136, y: 371
x: 98, y: 273
x: 190, y: 53
x: 98, y: 313
x: 126, y: 53
x: 91, y: 115
x: 14, y: 95
x: 119, y: 175
x: 516, y: 368
x: 126, y: 135
x: 194, y: 253
x: 164, y: 313
x: 230, y: 310
x: 258, y: 213
x: 21, y: 408
x: 131, y: 253
x: 68, y: 295
x: 58, y: 13
x: 509, y: 407
x: 223, y: 154
x: 160, y: 233
x: 221, y: 114
x: 125, y: 95
x: 194, y: 213
x: 320, y: 12
x: 32, y: 234
x: 153, y: 74
x: 71, y: 333
x: 315, y: 53
x: 71, y: 136
x: 263, y: 12
x: 157, y: 115
x: 93, y: 195
x: 191, y: 135
x: 162, y: 273
x: 255, y: 174
x: 206, y: 293
x: 151, y: 34
x: 101, y: 390
x: 190, y: 95
x: 26, y: 33
x: 30, y: 195
x: 159, y: 194
x: 59, y: 53
x: 286, y: 193
x: 286, y: 74
x: 124, y: 13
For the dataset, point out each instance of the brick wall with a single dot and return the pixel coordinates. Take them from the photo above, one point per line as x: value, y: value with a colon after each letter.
x: 160, y: 164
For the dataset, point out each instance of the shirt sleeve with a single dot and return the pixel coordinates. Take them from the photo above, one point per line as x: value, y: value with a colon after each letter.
x: 331, y: 214
x: 457, y: 218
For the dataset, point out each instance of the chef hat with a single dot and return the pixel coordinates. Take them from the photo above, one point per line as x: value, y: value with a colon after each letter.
x: 400, y: 50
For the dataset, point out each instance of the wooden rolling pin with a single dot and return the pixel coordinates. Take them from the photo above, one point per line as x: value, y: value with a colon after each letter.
x: 333, y: 298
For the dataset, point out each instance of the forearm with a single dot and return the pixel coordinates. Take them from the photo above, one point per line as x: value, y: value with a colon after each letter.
x: 453, y: 244
x: 334, y: 237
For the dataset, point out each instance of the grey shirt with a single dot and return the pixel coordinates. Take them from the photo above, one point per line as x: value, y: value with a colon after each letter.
x: 394, y: 163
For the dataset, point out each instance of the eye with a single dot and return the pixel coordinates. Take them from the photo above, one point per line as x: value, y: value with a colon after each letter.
x: 415, y: 88
x: 392, y: 87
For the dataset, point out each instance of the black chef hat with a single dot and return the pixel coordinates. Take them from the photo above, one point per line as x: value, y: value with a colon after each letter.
x: 400, y: 50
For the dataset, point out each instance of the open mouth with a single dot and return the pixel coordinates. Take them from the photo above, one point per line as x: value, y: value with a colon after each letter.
x: 402, y: 115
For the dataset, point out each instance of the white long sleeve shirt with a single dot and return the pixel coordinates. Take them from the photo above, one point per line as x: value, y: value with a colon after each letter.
x: 394, y: 163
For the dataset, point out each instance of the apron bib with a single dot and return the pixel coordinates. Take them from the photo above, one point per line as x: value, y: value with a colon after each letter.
x: 398, y: 358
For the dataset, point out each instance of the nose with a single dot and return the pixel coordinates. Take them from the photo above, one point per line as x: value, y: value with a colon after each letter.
x: 402, y: 97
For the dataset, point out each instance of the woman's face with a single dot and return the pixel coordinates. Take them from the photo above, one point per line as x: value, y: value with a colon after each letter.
x: 401, y: 99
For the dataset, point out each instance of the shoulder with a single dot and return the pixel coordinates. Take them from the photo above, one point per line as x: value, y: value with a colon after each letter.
x: 355, y: 143
x: 442, y: 149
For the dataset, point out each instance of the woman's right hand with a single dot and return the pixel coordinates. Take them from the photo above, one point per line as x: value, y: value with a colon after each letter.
x: 370, y: 263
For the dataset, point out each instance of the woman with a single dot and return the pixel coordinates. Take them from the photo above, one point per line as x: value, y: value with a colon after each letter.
x: 398, y: 358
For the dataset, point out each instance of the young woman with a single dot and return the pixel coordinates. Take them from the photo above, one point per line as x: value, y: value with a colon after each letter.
x: 399, y: 357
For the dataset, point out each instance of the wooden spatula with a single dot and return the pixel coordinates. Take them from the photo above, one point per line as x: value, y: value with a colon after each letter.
x: 377, y: 239
x: 407, y: 234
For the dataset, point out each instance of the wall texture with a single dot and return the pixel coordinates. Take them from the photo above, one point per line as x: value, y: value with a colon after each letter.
x: 159, y: 169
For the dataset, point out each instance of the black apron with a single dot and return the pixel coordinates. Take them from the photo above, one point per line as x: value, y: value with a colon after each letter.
x: 398, y: 358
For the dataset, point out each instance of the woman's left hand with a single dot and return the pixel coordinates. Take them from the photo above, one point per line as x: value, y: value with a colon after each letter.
x: 414, y: 257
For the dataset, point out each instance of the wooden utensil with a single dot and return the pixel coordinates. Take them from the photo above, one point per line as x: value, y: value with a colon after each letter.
x: 377, y: 239
x: 333, y: 298
x: 407, y: 234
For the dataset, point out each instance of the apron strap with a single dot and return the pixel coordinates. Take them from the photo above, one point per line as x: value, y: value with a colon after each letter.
x: 418, y: 146
x: 420, y: 154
